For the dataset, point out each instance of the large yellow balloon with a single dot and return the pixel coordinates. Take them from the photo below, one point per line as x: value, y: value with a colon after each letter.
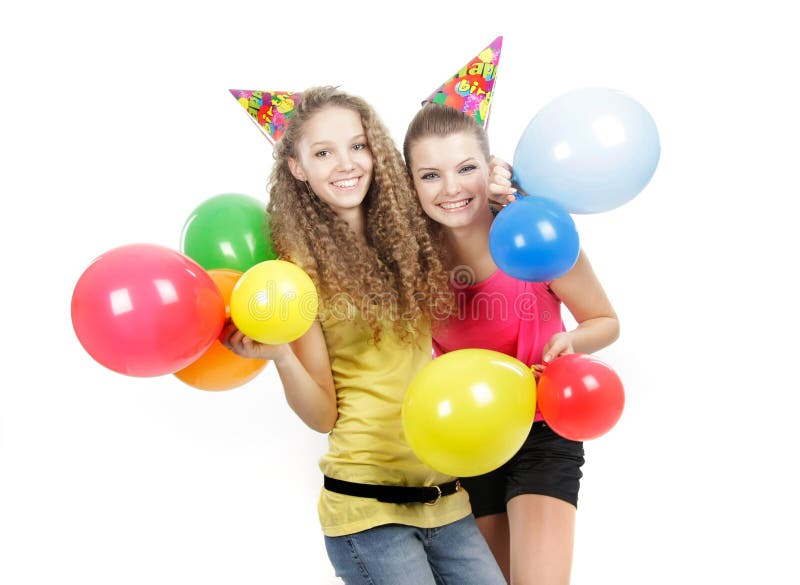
x: 274, y: 302
x: 468, y: 411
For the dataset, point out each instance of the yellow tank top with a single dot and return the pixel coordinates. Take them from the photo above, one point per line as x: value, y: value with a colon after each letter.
x: 367, y: 444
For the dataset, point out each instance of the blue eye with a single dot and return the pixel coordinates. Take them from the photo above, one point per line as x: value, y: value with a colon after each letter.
x: 467, y: 168
x: 360, y: 146
x: 429, y: 176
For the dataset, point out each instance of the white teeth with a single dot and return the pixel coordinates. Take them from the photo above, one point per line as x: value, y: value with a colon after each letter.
x: 345, y: 184
x: 455, y: 205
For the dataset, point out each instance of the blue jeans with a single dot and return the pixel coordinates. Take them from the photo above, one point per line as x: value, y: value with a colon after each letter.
x: 395, y: 554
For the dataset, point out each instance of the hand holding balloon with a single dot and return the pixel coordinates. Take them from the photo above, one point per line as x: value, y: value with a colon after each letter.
x: 501, y: 189
x: 247, y: 347
x: 560, y: 344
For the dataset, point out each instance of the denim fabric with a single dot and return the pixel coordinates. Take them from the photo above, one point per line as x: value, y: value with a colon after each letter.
x: 395, y: 554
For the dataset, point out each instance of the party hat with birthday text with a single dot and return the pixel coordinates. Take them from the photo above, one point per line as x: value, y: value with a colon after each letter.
x: 470, y: 88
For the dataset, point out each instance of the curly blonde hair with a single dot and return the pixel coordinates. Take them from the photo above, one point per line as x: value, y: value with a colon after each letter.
x: 398, y: 277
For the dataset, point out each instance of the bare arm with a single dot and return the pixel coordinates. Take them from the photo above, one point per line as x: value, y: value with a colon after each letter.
x: 305, y: 371
x: 579, y: 289
x: 583, y: 295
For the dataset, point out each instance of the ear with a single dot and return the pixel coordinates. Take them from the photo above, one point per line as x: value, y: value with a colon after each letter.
x: 296, y: 169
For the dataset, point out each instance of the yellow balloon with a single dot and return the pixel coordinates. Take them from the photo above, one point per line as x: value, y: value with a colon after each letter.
x: 274, y: 302
x: 469, y: 411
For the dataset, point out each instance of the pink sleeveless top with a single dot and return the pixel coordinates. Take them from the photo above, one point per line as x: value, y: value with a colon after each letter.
x: 503, y: 314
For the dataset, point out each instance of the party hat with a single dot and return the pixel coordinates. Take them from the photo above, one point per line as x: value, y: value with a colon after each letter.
x: 470, y: 89
x: 270, y: 110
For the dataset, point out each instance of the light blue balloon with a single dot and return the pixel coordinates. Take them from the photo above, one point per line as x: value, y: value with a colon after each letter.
x: 590, y: 149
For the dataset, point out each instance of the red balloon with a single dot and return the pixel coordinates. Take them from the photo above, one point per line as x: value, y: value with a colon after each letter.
x: 580, y: 397
x: 146, y: 310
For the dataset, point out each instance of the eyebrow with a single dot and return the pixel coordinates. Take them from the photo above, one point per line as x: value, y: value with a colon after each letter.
x: 466, y: 160
x: 327, y: 142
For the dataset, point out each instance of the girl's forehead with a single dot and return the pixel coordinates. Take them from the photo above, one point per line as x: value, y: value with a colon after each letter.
x: 442, y: 149
x: 334, y: 122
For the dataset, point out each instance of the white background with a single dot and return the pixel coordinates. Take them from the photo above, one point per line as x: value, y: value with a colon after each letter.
x: 116, y: 122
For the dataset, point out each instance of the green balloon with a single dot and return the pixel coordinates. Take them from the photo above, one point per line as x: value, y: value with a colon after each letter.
x: 228, y: 231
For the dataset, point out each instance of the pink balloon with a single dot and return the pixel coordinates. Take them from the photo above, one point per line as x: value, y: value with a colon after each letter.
x: 146, y: 310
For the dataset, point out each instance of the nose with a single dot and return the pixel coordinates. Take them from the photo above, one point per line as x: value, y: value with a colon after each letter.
x: 346, y: 162
x: 451, y: 185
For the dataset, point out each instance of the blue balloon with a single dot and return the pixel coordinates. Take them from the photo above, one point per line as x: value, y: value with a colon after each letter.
x: 590, y: 150
x: 534, y: 239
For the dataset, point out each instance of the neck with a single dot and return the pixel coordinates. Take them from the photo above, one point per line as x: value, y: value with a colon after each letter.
x: 355, y: 220
x: 469, y: 245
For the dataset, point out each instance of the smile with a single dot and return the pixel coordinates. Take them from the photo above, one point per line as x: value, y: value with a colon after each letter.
x: 345, y: 184
x: 454, y: 205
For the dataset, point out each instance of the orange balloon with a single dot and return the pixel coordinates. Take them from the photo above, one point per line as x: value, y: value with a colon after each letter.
x: 219, y: 368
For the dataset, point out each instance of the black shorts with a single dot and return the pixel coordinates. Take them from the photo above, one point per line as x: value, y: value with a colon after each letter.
x: 547, y: 464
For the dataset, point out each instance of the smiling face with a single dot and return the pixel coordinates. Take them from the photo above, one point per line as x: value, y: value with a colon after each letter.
x: 334, y: 158
x: 451, y: 176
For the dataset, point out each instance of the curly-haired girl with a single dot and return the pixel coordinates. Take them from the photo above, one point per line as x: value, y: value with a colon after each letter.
x: 342, y: 208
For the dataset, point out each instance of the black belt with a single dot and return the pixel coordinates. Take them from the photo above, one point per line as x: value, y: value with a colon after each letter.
x: 393, y: 494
